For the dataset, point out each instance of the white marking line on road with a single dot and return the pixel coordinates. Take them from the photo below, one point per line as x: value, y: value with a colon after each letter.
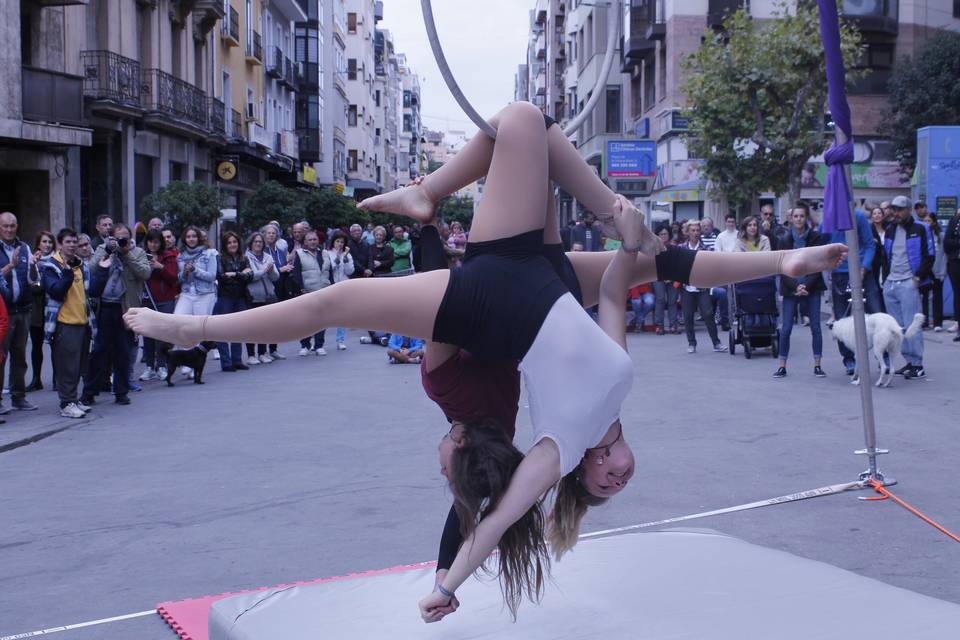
x: 793, y: 497
x: 803, y: 495
x: 80, y: 625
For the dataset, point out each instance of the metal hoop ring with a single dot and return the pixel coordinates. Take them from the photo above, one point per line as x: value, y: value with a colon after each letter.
x: 613, y: 32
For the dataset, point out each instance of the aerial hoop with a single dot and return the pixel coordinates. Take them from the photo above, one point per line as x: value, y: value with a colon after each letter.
x: 613, y: 32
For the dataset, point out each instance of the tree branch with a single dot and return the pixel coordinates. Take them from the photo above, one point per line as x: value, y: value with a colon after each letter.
x: 799, y: 100
x: 759, y: 136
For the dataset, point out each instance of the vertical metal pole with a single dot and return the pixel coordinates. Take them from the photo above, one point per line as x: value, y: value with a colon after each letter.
x: 864, y: 370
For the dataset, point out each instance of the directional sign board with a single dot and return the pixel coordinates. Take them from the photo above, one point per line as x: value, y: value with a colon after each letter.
x: 631, y: 158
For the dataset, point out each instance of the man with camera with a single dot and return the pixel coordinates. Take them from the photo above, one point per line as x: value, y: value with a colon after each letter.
x: 16, y: 260
x: 68, y: 317
x: 125, y: 267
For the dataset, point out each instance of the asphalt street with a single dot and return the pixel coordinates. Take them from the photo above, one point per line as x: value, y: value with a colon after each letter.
x: 324, y: 466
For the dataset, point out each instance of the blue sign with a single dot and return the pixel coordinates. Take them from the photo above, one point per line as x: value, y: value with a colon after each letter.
x: 631, y: 158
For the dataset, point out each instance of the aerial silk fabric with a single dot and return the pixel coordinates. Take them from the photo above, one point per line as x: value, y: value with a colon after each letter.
x: 837, y: 194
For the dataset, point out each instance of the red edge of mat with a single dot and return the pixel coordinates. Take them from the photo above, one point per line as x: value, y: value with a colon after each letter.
x: 188, y: 618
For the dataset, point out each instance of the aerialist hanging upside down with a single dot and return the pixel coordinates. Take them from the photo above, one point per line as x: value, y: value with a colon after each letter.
x: 508, y: 303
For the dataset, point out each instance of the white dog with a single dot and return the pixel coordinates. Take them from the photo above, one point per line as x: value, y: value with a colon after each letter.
x: 884, y: 335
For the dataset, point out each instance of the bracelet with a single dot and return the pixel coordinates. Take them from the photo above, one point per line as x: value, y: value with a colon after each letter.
x: 444, y: 592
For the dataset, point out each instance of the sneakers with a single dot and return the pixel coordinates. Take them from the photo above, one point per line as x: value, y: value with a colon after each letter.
x: 341, y: 346
x: 320, y: 351
x: 719, y: 348
x: 850, y: 368
x: 384, y: 341
x: 304, y: 352
x: 265, y: 359
x: 957, y: 338
x: 780, y: 373
x: 4, y: 410
x: 148, y: 375
x: 805, y: 321
x: 818, y: 372
x: 122, y: 400
x: 937, y: 329
x: 659, y: 331
x: 216, y: 355
x: 83, y: 407
x: 366, y: 340
x: 241, y: 367
x: 162, y: 373
x: 72, y: 411
x: 691, y: 348
x: 914, y: 373
x: 134, y: 386
x: 276, y: 355
x: 902, y: 371
x: 253, y: 360
x: 24, y: 405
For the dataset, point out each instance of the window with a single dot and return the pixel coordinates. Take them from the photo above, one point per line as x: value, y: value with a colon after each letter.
x: 352, y: 115
x: 877, y: 61
x: 352, y: 160
x: 376, y: 98
x: 662, y: 70
x: 352, y: 69
x: 351, y: 23
x: 613, y: 110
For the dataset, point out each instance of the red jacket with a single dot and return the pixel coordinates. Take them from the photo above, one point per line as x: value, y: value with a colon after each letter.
x: 4, y: 326
x: 164, y: 284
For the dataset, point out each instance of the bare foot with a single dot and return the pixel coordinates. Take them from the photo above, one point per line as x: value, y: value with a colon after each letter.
x: 179, y: 330
x: 412, y: 201
x: 800, y: 262
x: 649, y: 243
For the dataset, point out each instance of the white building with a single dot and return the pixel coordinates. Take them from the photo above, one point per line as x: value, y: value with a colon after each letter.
x: 363, y: 159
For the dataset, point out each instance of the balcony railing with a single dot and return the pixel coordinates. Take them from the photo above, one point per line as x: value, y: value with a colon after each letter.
x: 217, y: 117
x: 236, y: 125
x: 289, y: 76
x: 110, y: 76
x: 254, y: 48
x: 174, y: 97
x: 49, y: 96
x: 275, y: 64
x: 230, y: 28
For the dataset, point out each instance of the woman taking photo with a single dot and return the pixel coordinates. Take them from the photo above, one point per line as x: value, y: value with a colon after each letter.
x: 311, y: 272
x: 261, y: 290
x: 341, y: 266
x: 750, y: 237
x: 794, y: 290
x: 233, y: 274
x: 45, y: 244
x: 163, y: 286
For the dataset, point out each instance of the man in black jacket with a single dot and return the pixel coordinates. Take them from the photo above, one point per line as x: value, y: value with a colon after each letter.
x: 359, y: 249
x: 16, y: 261
x: 951, y: 247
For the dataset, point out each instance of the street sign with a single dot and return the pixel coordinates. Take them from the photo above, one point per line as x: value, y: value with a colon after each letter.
x: 631, y: 158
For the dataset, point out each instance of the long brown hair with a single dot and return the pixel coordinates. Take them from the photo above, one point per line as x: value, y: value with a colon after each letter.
x: 570, y: 502
x: 479, y: 474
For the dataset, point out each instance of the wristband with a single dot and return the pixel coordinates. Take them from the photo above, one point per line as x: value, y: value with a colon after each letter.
x: 443, y: 591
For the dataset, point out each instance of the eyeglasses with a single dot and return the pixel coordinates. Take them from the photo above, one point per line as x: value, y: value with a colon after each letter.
x: 83, y: 246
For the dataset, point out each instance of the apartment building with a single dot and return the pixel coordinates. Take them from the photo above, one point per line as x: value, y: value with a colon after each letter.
x: 411, y: 160
x: 386, y: 94
x: 331, y: 168
x: 363, y: 157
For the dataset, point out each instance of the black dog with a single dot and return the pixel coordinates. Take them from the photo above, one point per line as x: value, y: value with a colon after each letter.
x: 195, y: 358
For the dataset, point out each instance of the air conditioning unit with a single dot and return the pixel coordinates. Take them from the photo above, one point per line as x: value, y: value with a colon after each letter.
x: 251, y: 113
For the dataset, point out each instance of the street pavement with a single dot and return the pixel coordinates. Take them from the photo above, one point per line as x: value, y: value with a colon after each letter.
x: 324, y: 466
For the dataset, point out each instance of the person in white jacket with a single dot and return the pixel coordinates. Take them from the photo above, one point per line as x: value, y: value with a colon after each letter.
x: 341, y: 267
x: 261, y: 291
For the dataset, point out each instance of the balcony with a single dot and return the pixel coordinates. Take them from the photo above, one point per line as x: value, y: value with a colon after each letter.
x: 275, y: 63
x: 49, y: 96
x: 174, y: 104
x: 309, y: 145
x: 59, y: 3
x: 310, y: 78
x: 656, y: 26
x: 289, y: 75
x: 111, y: 82
x: 877, y: 16
x: 230, y: 29
x: 207, y: 12
x: 217, y: 117
x: 236, y: 125
x: 635, y: 50
x: 254, y: 50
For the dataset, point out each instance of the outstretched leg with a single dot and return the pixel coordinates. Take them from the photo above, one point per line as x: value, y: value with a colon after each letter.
x: 366, y: 302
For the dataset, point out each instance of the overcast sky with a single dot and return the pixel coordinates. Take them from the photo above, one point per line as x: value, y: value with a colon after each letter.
x: 483, y: 42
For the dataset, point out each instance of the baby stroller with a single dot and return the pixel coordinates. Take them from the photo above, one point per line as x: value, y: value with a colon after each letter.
x: 753, y: 316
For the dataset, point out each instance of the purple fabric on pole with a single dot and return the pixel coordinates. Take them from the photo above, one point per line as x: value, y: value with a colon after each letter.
x: 837, y: 194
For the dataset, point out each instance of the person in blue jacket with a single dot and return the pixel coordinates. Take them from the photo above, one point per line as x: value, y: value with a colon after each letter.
x: 840, y: 280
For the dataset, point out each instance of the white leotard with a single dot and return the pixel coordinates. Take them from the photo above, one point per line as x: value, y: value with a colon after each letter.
x: 576, y: 378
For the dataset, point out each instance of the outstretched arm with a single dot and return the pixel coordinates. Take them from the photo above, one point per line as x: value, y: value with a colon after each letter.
x: 539, y: 471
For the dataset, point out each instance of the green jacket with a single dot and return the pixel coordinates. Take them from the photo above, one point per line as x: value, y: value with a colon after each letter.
x: 401, y: 255
x: 136, y: 271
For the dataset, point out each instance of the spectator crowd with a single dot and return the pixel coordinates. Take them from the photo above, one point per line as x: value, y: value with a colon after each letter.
x: 70, y: 290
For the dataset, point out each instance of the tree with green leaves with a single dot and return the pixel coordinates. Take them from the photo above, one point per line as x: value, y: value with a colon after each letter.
x: 271, y: 201
x: 326, y: 209
x: 757, y: 95
x: 181, y: 204
x: 923, y: 92
x: 455, y: 209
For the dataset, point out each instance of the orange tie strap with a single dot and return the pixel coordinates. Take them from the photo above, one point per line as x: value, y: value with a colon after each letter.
x: 883, y: 491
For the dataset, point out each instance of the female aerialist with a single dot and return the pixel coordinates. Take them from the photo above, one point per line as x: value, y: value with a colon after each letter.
x: 506, y: 303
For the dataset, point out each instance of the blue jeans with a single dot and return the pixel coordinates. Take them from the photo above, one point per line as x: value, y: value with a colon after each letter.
x: 642, y: 307
x: 903, y: 302
x: 719, y: 297
x: 154, y: 352
x: 231, y: 354
x: 790, y: 304
x: 341, y: 334
x: 839, y: 283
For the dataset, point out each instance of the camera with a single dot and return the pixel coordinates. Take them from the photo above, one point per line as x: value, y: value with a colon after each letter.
x: 123, y: 242
x: 109, y: 248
